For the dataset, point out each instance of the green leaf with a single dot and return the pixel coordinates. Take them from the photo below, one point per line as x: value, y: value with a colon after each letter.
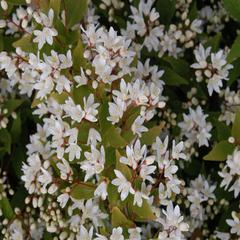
x: 83, y: 190
x: 1, y: 43
x: 18, y: 199
x: 83, y: 128
x: 78, y: 58
x: 56, y: 6
x: 17, y: 2
x: 16, y: 128
x: 150, y: 136
x: 103, y: 114
x: 7, y: 42
x: 234, y: 73
x: 214, y: 42
x: 166, y: 9
x: 113, y: 195
x: 227, y: 214
x: 114, y: 138
x: 124, y: 169
x: 5, y: 139
x: 223, y: 131
x: 6, y: 208
x: 73, y: 37
x: 111, y: 135
x: 171, y: 78
x: 180, y: 66
x: 110, y: 163
x: 235, y: 50
x: 12, y: 104
x: 129, y: 117
x: 47, y: 236
x: 236, y: 127
x: 36, y: 101
x: 79, y: 93
x: 60, y: 98
x: 110, y: 158
x: 220, y: 151
x: 17, y: 160
x: 118, y: 219
x: 233, y: 8
x: 193, y: 11
x: 26, y: 44
x: 141, y: 214
x: 43, y: 4
x: 74, y: 11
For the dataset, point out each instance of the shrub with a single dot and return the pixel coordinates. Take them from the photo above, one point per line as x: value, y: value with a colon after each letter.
x: 114, y: 116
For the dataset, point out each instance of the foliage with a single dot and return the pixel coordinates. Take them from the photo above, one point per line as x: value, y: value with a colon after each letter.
x: 119, y: 119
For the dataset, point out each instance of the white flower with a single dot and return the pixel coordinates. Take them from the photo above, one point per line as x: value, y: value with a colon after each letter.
x: 234, y: 224
x: 48, y: 32
x: 124, y: 186
x: 74, y: 151
x: 145, y: 24
x: 214, y: 71
x: 101, y: 190
x: 30, y: 172
x: 199, y: 192
x: 196, y: 25
x: 45, y: 178
x: 222, y: 236
x: 229, y: 106
x: 227, y: 178
x: 44, y: 86
x: 137, y: 92
x: 173, y: 224
x: 135, y: 233
x: 65, y: 169
x: 7, y: 64
x: 232, y: 172
x: 140, y: 195
x: 74, y: 111
x: 137, y: 126
x: 90, y: 108
x: 214, y: 84
x: 160, y: 147
x: 177, y: 149
x: 63, y: 83
x: 92, y: 212
x: 137, y: 155
x: 147, y: 170
x: 44, y: 36
x: 84, y: 234
x: 93, y: 137
x: 100, y: 237
x: 16, y: 230
x: 94, y: 163
x: 65, y: 60
x: 195, y: 127
x: 63, y: 199
x: 117, y: 234
x: 116, y: 110
x: 81, y: 79
x: 201, y: 55
x: 123, y: 93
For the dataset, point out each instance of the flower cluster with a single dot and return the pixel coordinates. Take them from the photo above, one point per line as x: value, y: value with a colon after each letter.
x: 214, y: 71
x: 106, y: 131
x: 196, y: 128
x: 230, y: 173
x: 229, y: 106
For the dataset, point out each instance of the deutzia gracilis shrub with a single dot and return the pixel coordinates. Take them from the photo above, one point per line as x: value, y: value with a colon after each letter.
x: 119, y: 120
